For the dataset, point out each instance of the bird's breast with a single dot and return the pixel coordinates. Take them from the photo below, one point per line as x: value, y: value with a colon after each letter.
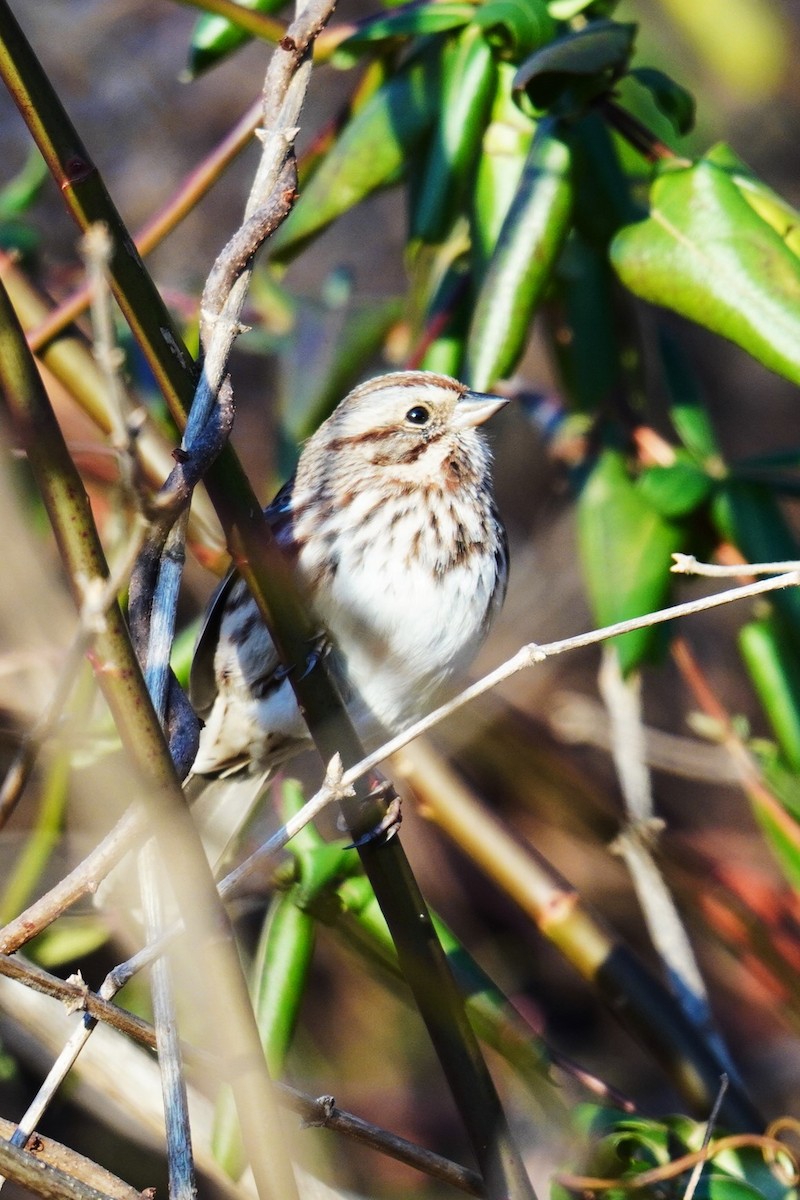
x: 404, y: 589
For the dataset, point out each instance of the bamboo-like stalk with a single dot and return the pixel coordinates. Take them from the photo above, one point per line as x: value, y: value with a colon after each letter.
x: 231, y: 1026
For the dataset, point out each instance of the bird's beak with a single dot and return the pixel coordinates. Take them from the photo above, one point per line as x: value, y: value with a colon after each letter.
x: 476, y: 407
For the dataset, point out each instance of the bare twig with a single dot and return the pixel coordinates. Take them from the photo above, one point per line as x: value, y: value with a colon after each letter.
x: 635, y: 843
x: 697, y: 1171
x: 78, y: 996
x: 324, y: 1113
x: 687, y: 564
x: 182, y: 1183
x: 74, y: 1165
x: 125, y: 423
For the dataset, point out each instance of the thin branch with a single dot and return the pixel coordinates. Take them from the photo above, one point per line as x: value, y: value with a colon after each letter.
x: 74, y: 1165
x: 323, y: 1113
x: 38, y: 1177
x: 78, y: 997
x: 687, y: 564
x: 697, y: 1171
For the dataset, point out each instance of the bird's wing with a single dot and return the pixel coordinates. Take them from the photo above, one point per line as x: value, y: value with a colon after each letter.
x: 202, y: 680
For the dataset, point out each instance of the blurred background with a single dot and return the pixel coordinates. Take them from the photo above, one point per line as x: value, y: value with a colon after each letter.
x: 537, y: 748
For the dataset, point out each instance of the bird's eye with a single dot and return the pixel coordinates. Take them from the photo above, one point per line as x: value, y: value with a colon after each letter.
x: 418, y: 415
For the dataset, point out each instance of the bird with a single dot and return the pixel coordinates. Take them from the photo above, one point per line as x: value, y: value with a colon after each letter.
x: 391, y: 524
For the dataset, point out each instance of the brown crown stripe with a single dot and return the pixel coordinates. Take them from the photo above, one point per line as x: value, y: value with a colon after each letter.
x: 410, y: 379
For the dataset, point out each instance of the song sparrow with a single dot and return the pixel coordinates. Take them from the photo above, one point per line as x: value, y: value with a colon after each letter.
x: 392, y: 525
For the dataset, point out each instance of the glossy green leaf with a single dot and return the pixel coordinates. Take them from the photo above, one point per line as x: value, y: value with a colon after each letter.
x: 516, y: 27
x: 565, y: 10
x: 215, y: 37
x: 577, y: 67
x: 449, y: 313
x: 773, y: 664
x: 370, y: 152
x: 407, y: 21
x: 674, y: 101
x: 785, y: 783
x: 468, y: 89
x: 771, y: 207
x: 603, y: 193
x: 19, y: 193
x: 521, y: 268
x: 677, y: 490
x: 505, y: 146
x: 705, y: 253
x: 626, y: 549
x: 713, y: 1185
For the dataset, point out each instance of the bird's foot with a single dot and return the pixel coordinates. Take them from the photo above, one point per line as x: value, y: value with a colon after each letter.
x: 320, y: 646
x: 389, y: 823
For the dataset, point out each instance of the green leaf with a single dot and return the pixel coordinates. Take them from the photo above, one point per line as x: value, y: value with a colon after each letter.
x: 771, y: 207
x: 470, y: 80
x: 626, y: 548
x: 675, y: 102
x: 371, y: 151
x: 412, y: 20
x: 214, y: 38
x: 773, y: 664
x: 505, y: 146
x: 588, y: 354
x: 715, y: 1186
x: 565, y: 10
x: 574, y: 69
x: 677, y: 490
x: 783, y: 782
x: 516, y: 27
x: 705, y: 253
x: 17, y: 196
x: 521, y: 267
